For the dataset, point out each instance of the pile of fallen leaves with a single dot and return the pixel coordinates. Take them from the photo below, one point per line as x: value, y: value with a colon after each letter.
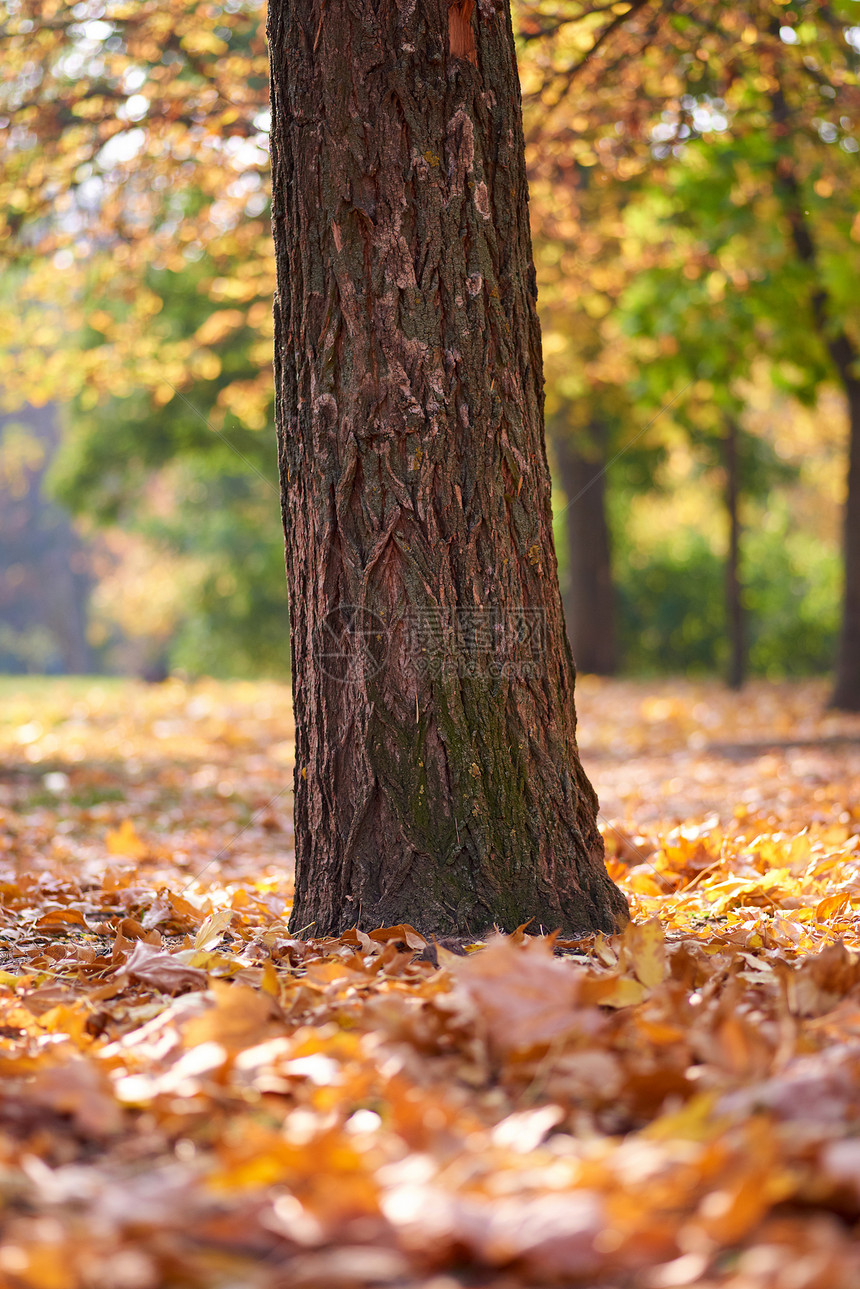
x: 191, y: 1097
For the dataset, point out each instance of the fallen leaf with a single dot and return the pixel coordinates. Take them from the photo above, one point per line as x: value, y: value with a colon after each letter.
x: 160, y: 969
x: 125, y: 841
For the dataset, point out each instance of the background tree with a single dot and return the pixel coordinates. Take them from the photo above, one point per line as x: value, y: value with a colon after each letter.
x: 725, y: 305
x: 589, y: 601
x: 195, y: 479
x: 780, y: 81
x: 604, y: 448
x: 577, y: 224
x: 46, y: 573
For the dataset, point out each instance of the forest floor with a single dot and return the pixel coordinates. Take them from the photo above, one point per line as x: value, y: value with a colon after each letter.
x: 191, y: 1098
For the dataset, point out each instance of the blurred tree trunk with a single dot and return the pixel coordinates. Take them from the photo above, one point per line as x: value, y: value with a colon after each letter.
x: 846, y: 692
x: 50, y: 596
x: 734, y: 604
x: 846, y: 360
x: 589, y: 601
x: 437, y: 774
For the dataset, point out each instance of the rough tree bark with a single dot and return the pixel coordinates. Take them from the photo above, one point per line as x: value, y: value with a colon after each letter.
x: 437, y: 775
x: 589, y: 604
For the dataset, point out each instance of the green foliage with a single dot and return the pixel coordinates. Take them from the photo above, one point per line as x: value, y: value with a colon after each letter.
x: 237, y: 624
x: 196, y: 483
x: 792, y: 598
x: 114, y: 443
x: 671, y: 605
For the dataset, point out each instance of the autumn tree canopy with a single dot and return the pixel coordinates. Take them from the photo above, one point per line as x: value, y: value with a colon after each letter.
x: 135, y: 169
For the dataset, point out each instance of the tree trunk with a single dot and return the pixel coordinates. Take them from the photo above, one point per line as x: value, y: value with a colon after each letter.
x: 845, y: 357
x: 589, y: 605
x: 734, y: 605
x: 437, y: 775
x: 846, y: 693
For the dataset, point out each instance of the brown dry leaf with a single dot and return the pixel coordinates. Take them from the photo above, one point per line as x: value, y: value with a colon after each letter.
x: 61, y: 918
x: 404, y: 932
x: 162, y: 970
x: 240, y: 1018
x: 524, y: 997
x: 612, y: 990
x: 131, y: 929
x: 78, y: 1088
x: 548, y: 1234
x: 823, y: 980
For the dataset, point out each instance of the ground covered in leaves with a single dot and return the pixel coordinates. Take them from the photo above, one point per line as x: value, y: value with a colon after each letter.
x: 189, y: 1097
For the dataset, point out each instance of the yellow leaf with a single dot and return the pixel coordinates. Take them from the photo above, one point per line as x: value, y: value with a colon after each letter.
x: 125, y: 841
x: 213, y: 928
x: 219, y: 325
x: 614, y: 991
x: 693, y: 1122
x: 270, y: 984
x: 240, y: 1018
x: 646, y: 946
x: 203, y: 42
x: 833, y: 904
